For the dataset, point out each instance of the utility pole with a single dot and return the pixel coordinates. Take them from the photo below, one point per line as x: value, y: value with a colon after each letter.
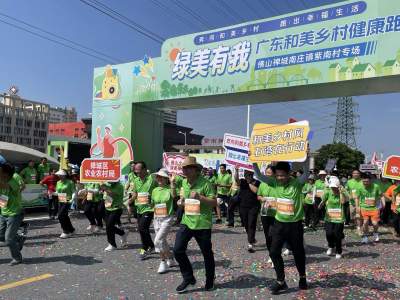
x: 346, y: 121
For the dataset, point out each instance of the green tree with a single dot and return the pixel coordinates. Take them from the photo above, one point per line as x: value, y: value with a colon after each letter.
x: 379, y: 68
x: 179, y: 88
x: 165, y: 89
x: 348, y: 159
x: 314, y: 74
x: 173, y: 90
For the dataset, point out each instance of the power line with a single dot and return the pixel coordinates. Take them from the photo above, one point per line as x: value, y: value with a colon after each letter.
x: 62, y: 38
x: 252, y: 9
x: 54, y: 41
x: 128, y: 22
x: 173, y: 13
x: 230, y: 10
x: 269, y: 6
x: 218, y: 8
x: 192, y: 13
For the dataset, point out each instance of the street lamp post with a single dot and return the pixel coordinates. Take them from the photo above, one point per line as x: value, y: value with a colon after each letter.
x: 184, y: 133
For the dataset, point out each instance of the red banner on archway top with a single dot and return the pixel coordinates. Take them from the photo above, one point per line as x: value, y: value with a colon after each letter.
x: 391, y: 168
x: 100, y: 170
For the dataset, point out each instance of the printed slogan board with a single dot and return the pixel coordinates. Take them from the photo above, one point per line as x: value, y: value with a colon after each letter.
x: 345, y: 41
x: 172, y: 162
x: 237, y: 151
x: 274, y: 142
x: 100, y: 170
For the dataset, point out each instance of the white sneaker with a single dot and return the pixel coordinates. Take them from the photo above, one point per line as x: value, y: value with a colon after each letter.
x: 269, y: 260
x: 110, y: 248
x: 364, y: 240
x: 64, y: 235
x: 171, y: 262
x: 376, y: 237
x: 124, y: 238
x: 163, y: 267
x: 286, y: 252
x: 338, y: 256
x: 90, y: 228
x: 329, y: 252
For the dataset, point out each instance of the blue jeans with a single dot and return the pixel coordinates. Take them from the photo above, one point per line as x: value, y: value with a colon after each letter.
x: 8, y: 233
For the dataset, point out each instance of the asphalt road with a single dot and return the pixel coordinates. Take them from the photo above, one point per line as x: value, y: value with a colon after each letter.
x: 78, y: 268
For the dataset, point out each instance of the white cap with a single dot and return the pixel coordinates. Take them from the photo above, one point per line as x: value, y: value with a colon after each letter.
x: 108, y: 126
x: 334, y: 182
x: 162, y: 173
x: 322, y: 172
x: 61, y: 173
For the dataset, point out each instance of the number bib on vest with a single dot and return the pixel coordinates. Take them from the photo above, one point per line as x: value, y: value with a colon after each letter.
x: 3, y: 201
x: 89, y: 196
x: 335, y: 214
x: 354, y: 194
x: 160, y: 210
x: 270, y: 203
x: 319, y: 193
x: 192, y: 207
x: 370, y: 201
x: 142, y: 199
x: 107, y: 201
x: 62, y: 197
x: 285, y: 206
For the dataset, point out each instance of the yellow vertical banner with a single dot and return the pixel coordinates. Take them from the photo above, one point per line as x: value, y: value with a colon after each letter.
x: 277, y: 142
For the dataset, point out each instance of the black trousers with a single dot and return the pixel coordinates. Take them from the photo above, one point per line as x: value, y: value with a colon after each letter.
x: 267, y: 223
x: 395, y: 222
x: 334, y: 235
x: 249, y: 217
x: 292, y: 233
x: 320, y: 213
x: 347, y: 217
x: 386, y: 214
x: 179, y: 214
x: 232, y: 204
x: 113, y: 218
x: 203, y: 239
x: 223, y: 205
x: 94, y: 211
x: 52, y: 206
x: 64, y: 219
x: 144, y: 222
x: 310, y: 215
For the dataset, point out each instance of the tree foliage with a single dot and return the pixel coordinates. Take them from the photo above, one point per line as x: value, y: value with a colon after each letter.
x: 348, y: 159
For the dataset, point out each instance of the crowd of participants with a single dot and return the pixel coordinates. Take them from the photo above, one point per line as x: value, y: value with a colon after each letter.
x: 283, y: 201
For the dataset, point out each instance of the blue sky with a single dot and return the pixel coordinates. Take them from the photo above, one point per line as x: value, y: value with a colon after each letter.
x: 56, y: 75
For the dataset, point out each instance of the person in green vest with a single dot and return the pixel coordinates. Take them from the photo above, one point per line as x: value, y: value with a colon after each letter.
x: 129, y: 187
x: 212, y: 178
x: 43, y: 169
x: 268, y: 208
x: 369, y: 200
x: 113, y: 196
x: 310, y: 210
x: 223, y: 184
x: 11, y: 213
x: 386, y: 213
x: 288, y: 226
x: 65, y: 188
x: 93, y: 206
x: 320, y: 187
x: 333, y: 199
x: 144, y: 184
x: 396, y: 210
x: 198, y: 199
x: 352, y: 186
x: 162, y: 199
x: 29, y: 174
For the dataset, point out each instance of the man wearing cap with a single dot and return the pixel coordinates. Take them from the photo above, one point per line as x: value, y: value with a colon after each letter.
x: 144, y: 185
x: 198, y: 198
x: 310, y: 211
x: 334, y: 198
x: 320, y: 187
x: 65, y: 189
